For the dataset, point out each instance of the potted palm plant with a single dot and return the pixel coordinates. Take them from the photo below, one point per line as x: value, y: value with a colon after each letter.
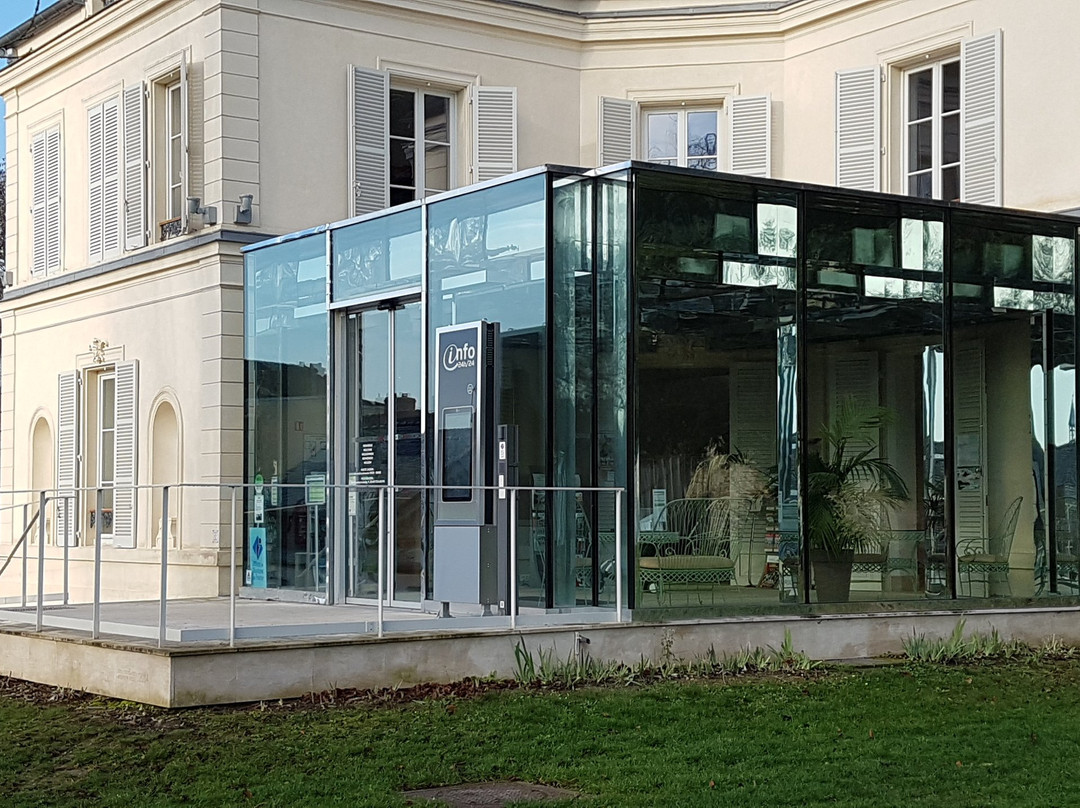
x: 850, y: 494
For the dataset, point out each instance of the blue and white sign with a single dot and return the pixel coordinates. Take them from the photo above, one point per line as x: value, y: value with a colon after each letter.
x: 257, y: 556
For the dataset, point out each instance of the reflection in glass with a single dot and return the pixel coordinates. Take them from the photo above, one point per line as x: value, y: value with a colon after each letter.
x: 487, y: 261
x: 663, y: 136
x: 287, y: 354
x: 715, y: 391
x: 700, y: 133
x: 377, y: 255
x: 874, y: 374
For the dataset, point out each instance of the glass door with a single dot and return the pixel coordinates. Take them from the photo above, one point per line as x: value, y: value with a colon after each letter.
x: 384, y: 446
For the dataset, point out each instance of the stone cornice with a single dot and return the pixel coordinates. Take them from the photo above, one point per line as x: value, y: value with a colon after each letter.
x: 517, y: 19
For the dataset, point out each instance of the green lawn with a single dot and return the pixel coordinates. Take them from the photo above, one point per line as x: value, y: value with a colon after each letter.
x: 1003, y: 734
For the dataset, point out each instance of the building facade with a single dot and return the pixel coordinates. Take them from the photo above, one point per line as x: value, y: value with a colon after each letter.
x: 149, y: 140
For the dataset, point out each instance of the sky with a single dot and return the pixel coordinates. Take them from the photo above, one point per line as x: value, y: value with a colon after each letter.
x: 12, y: 14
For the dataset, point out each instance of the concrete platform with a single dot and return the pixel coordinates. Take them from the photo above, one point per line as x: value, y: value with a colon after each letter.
x: 211, y: 672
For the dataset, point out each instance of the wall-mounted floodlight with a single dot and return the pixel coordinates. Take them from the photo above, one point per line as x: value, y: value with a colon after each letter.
x: 209, y: 214
x: 243, y: 210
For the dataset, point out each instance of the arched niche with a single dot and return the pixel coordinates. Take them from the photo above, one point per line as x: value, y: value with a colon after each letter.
x: 42, y: 463
x: 165, y: 468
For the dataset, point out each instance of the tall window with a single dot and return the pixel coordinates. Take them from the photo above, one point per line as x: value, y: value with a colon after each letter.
x: 683, y: 138
x: 174, y: 151
x: 421, y: 127
x: 106, y: 446
x: 932, y: 131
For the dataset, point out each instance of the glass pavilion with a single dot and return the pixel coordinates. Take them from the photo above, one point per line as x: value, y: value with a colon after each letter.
x: 781, y: 376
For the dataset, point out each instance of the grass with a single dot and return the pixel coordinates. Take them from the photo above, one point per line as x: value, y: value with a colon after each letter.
x: 981, y: 734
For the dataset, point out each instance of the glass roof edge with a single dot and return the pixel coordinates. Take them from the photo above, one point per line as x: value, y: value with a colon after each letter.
x: 835, y: 190
x: 275, y: 240
x: 545, y: 168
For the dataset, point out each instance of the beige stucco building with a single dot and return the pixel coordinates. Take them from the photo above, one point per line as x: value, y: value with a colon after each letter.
x: 148, y: 141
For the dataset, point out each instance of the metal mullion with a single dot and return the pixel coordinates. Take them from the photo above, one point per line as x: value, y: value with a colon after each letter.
x: 391, y: 458
x: 684, y: 141
x: 802, y: 392
x: 935, y: 130
x: 949, y: 349
x: 1049, y: 470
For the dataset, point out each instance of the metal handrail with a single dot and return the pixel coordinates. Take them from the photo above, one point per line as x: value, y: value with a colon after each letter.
x: 384, y: 493
x: 18, y: 543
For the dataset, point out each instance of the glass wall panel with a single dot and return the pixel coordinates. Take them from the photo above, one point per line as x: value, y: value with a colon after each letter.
x: 577, y: 562
x: 1013, y: 385
x: 377, y: 255
x: 368, y: 389
x: 715, y: 303
x: 612, y: 364
x: 287, y: 354
x: 487, y: 260
x: 874, y: 464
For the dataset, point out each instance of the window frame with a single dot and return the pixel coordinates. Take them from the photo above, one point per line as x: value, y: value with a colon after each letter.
x: 682, y: 113
x: 173, y: 133
x: 101, y: 378
x: 165, y: 223
x: 936, y: 120
x: 420, y: 154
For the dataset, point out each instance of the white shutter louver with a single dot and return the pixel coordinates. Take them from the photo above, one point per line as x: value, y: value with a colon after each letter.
x: 127, y: 395
x: 857, y: 115
x: 110, y: 180
x: 52, y: 200
x: 95, y: 159
x: 134, y: 167
x: 38, y: 207
x: 369, y: 133
x: 750, y: 135
x: 752, y: 404
x: 67, y: 456
x: 969, y: 414
x: 618, y: 125
x: 980, y: 108
x: 854, y: 381
x: 495, y: 131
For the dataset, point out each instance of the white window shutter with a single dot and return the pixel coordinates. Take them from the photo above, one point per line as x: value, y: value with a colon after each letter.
x: 969, y: 423
x: 494, y: 131
x: 52, y: 200
x: 110, y: 180
x: 618, y: 131
x: 127, y: 413
x: 134, y: 167
x: 185, y: 145
x: 95, y: 159
x: 980, y: 108
x: 369, y: 140
x: 857, y: 129
x: 67, y: 457
x: 750, y: 135
x: 38, y: 206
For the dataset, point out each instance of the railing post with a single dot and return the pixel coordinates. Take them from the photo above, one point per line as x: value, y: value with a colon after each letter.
x: 513, y: 559
x: 67, y: 553
x: 232, y: 567
x: 25, y: 523
x: 41, y: 564
x: 382, y: 558
x: 162, y: 614
x: 99, y: 505
x: 618, y: 555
